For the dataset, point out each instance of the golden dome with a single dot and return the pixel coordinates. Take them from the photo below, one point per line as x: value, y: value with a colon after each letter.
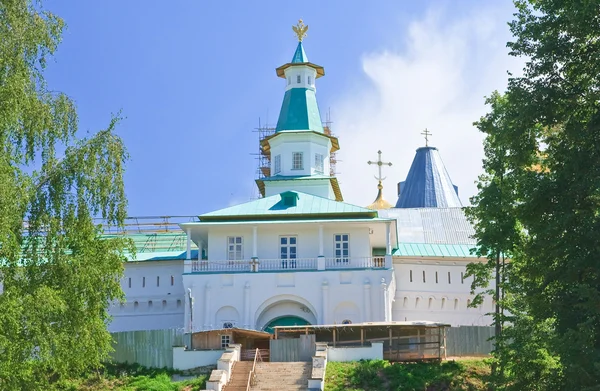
x: 379, y: 202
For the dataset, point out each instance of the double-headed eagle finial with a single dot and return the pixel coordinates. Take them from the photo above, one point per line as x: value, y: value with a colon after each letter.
x: 300, y: 29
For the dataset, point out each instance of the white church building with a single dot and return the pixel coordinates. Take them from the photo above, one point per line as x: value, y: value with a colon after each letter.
x: 299, y: 254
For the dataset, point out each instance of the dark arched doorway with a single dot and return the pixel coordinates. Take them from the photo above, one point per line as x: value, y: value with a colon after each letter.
x: 288, y: 320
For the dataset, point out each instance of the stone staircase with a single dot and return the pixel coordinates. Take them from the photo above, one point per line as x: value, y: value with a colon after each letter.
x: 279, y: 376
x: 239, y: 376
x: 271, y: 376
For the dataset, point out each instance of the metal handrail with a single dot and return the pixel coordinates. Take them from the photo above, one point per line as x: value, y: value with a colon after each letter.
x: 252, y: 374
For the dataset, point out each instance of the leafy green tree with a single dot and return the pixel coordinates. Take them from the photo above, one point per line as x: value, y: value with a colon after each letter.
x: 57, y: 273
x: 549, y: 139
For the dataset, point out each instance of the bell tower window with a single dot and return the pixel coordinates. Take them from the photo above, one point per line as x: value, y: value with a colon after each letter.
x: 277, y: 164
x: 318, y: 163
x: 297, y: 163
x: 310, y: 81
x: 298, y: 79
x: 289, y: 80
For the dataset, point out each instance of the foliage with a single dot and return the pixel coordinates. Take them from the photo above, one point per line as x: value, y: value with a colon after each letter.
x: 382, y: 375
x: 130, y: 377
x: 57, y: 274
x: 545, y: 130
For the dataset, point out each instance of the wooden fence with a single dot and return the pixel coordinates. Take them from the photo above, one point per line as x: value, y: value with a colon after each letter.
x: 150, y: 348
x: 469, y: 341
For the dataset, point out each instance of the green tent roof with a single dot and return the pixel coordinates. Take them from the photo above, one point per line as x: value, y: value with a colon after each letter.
x: 303, y: 206
x: 299, y: 55
x: 299, y: 111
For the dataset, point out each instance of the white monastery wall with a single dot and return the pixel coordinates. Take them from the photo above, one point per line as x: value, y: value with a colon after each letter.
x: 252, y: 300
x: 154, y: 297
x: 437, y: 291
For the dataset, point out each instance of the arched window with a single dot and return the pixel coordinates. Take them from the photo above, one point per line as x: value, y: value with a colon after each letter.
x: 346, y: 321
x: 443, y: 302
x: 178, y: 303
x: 430, y: 302
x: 417, y: 302
x: 405, y: 304
x: 455, y: 304
x: 150, y: 304
x: 164, y: 304
x: 468, y: 303
x: 135, y: 305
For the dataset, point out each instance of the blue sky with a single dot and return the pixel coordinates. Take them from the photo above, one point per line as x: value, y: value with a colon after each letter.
x: 192, y: 79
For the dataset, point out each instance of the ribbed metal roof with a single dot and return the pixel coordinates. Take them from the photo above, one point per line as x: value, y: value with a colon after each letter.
x: 427, y: 184
x: 434, y: 250
x: 275, y: 206
x: 431, y: 225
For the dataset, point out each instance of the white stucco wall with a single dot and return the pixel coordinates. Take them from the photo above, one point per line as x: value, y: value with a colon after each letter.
x: 188, y: 359
x: 317, y: 187
x: 355, y: 353
x: 150, y: 304
x: 307, y: 234
x: 444, y: 300
x: 284, y: 144
x: 320, y: 297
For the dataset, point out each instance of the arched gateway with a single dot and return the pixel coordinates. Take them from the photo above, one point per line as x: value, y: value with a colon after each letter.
x: 284, y: 310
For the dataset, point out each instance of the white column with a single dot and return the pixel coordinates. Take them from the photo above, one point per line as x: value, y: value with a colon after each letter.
x: 321, y: 240
x: 207, y: 321
x: 321, y: 258
x: 247, y: 321
x: 188, y: 254
x: 368, y: 317
x: 325, y: 301
x: 388, y: 238
x: 384, y: 301
x: 255, y: 242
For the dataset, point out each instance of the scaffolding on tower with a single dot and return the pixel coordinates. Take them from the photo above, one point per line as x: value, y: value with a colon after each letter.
x: 332, y: 155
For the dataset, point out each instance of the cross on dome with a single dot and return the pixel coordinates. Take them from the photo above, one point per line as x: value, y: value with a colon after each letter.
x: 379, y: 163
x: 426, y: 133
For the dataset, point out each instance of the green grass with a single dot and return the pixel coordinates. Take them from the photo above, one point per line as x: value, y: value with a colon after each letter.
x: 464, y: 375
x: 127, y: 377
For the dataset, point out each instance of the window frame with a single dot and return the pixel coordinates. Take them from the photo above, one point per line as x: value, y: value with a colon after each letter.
x: 295, y: 160
x: 235, y: 251
x: 319, y: 163
x: 277, y: 164
x: 225, y: 337
x: 288, y: 261
x: 341, y: 258
x: 298, y: 79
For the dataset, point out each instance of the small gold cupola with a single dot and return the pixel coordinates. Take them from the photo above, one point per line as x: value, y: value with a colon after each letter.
x: 380, y: 202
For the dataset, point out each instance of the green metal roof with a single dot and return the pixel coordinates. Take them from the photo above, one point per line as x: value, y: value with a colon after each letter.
x: 299, y: 111
x: 294, y: 177
x: 299, y: 54
x: 274, y: 207
x: 434, y: 250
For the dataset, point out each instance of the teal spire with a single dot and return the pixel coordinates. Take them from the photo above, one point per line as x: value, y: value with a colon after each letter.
x: 299, y: 111
x: 299, y: 55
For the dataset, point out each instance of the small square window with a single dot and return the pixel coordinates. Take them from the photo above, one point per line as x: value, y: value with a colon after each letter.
x: 277, y: 164
x: 225, y: 341
x: 297, y: 163
x: 298, y: 79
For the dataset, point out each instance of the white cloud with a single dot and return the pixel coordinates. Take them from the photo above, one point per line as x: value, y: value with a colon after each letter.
x: 438, y: 80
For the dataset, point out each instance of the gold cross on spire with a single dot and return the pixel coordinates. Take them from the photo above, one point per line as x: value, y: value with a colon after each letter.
x: 426, y: 133
x: 379, y: 163
x: 300, y: 29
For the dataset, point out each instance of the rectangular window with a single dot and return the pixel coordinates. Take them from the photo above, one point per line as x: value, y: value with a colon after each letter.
x: 172, y: 280
x: 130, y: 282
x: 449, y: 280
x: 462, y: 277
x: 411, y: 276
x: 225, y: 341
x: 288, y: 251
x: 298, y: 79
x: 235, y: 248
x: 143, y: 282
x: 157, y: 281
x: 289, y: 80
x: 341, y: 247
x: 297, y: 163
x: 309, y: 81
x: 277, y: 165
x: 436, y: 277
x: 318, y: 163
x: 423, y: 275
